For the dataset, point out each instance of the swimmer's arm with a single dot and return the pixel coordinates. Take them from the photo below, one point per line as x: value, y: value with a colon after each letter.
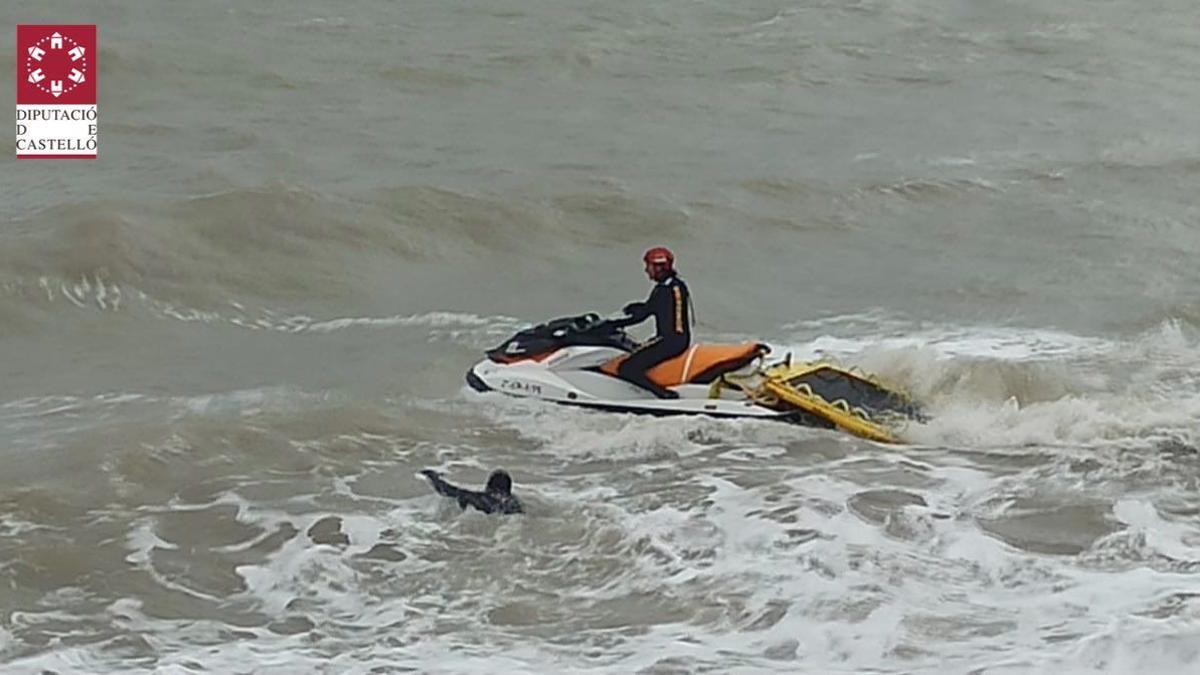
x: 441, y: 487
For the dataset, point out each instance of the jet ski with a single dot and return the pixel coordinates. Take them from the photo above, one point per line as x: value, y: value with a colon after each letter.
x: 573, y: 361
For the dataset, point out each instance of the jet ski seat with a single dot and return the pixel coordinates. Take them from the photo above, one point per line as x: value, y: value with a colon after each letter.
x: 699, y: 364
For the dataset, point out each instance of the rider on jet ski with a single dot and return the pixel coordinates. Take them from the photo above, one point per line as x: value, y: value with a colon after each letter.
x: 670, y: 305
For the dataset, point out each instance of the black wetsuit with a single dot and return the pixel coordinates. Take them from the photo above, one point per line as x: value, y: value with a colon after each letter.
x: 498, y: 498
x: 670, y: 304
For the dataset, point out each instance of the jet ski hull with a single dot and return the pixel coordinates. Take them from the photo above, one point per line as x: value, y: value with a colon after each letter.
x: 595, y: 390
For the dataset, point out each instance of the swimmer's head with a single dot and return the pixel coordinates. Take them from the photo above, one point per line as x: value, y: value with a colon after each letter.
x: 500, y: 482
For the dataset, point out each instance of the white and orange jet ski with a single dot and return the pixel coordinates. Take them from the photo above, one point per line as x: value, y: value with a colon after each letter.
x: 574, y: 361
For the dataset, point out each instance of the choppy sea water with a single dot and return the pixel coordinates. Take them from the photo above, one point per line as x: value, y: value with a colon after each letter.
x: 227, y: 345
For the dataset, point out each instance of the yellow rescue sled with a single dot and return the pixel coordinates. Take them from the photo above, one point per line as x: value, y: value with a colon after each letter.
x: 826, y: 395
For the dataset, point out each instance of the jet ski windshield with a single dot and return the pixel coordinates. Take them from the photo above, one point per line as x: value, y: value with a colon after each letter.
x: 586, y: 329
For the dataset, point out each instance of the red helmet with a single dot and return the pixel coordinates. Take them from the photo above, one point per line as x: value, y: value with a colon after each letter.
x: 660, y: 255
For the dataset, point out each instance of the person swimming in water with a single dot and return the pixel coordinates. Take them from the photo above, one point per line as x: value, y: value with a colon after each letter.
x: 497, y: 496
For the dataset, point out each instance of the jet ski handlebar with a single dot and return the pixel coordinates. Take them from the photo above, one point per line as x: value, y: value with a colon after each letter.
x: 583, y: 329
x: 617, y: 322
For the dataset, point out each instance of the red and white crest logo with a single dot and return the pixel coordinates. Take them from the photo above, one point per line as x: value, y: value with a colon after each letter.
x: 57, y: 65
x: 56, y: 91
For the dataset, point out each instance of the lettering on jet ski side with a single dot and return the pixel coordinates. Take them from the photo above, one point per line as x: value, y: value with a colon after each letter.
x: 523, y: 387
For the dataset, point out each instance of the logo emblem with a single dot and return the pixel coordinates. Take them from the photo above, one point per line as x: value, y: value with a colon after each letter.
x: 56, y: 91
x: 56, y: 64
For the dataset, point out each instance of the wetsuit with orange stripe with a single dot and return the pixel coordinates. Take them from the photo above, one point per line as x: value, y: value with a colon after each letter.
x: 670, y: 305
